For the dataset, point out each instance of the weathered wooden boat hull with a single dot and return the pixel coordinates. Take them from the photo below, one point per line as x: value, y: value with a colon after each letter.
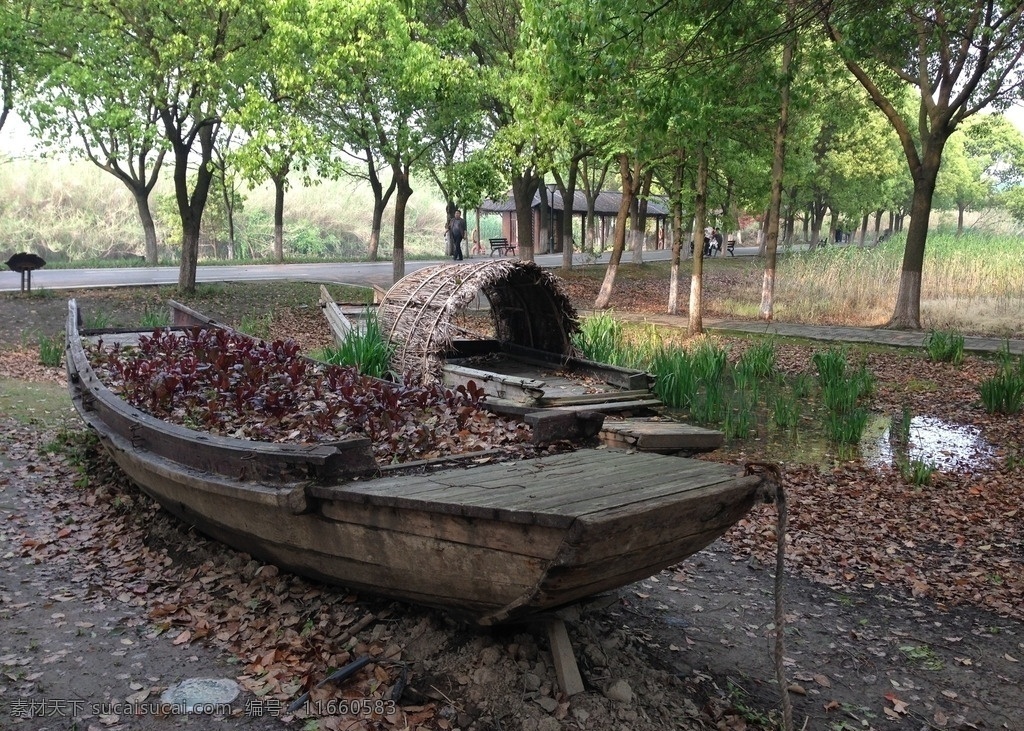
x: 494, y: 541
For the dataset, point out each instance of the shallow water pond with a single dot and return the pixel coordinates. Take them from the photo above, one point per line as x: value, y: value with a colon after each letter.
x: 943, y: 445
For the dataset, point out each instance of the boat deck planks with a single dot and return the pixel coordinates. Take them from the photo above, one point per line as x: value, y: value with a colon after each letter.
x: 564, y: 486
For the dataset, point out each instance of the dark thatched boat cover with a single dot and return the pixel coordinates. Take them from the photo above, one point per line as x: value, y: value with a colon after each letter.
x: 528, y: 308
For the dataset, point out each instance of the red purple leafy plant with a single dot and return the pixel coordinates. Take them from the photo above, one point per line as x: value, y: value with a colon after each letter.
x: 228, y: 383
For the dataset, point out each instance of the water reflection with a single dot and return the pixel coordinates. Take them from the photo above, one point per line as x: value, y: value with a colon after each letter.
x: 946, y: 446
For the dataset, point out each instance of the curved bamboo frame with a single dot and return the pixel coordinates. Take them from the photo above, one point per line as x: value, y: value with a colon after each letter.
x: 528, y: 307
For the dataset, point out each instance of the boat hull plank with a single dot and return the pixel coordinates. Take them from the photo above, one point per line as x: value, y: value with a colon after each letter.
x: 436, y: 569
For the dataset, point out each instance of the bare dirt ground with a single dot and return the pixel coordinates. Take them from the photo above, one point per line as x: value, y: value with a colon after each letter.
x: 903, y: 604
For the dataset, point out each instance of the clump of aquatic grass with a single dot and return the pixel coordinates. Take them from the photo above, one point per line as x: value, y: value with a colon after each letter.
x: 899, y: 431
x: 51, y: 350
x: 709, y: 404
x: 845, y: 419
x: 846, y: 427
x: 676, y: 378
x: 154, y: 318
x: 785, y: 411
x: 709, y: 360
x: 758, y: 360
x: 1004, y: 392
x: 945, y: 346
x: 599, y: 338
x: 916, y: 471
x: 739, y: 418
x: 802, y: 385
x: 259, y: 326
x: 831, y: 365
x: 365, y: 349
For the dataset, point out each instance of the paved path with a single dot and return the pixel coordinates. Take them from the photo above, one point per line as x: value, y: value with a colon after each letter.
x: 380, y: 273
x: 340, y: 273
x: 833, y: 333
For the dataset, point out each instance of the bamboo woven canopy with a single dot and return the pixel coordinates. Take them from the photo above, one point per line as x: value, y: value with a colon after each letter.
x: 528, y: 308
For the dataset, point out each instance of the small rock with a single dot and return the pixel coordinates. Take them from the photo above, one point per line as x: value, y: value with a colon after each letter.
x: 547, y: 703
x: 490, y: 655
x: 482, y: 676
x: 549, y: 723
x: 619, y: 691
x: 531, y: 681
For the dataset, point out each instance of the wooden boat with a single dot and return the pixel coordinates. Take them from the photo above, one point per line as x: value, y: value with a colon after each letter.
x: 496, y: 541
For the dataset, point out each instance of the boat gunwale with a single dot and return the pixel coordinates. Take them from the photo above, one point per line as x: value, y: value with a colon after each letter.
x: 323, y: 459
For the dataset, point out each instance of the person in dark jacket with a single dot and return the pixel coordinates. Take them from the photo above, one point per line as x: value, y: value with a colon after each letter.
x: 458, y: 233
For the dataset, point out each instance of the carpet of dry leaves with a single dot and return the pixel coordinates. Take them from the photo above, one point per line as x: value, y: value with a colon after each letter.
x: 943, y: 564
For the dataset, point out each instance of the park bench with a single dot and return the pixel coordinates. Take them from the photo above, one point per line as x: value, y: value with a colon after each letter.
x: 730, y: 246
x: 502, y: 246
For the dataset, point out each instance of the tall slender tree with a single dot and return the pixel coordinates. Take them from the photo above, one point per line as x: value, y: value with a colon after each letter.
x: 959, y: 58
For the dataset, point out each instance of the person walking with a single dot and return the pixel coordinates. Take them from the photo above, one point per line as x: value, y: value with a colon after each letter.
x: 458, y: 233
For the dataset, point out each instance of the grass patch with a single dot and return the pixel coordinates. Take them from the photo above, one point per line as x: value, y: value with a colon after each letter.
x: 51, y: 350
x: 47, y: 404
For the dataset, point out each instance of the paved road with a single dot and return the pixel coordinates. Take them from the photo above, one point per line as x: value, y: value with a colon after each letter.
x: 380, y: 273
x: 350, y: 272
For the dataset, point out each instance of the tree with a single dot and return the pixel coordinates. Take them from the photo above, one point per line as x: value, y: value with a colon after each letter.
x: 959, y: 58
x: 402, y: 90
x: 88, y: 106
x: 17, y: 54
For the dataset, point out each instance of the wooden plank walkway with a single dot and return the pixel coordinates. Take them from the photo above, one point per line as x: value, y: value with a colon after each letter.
x: 660, y: 435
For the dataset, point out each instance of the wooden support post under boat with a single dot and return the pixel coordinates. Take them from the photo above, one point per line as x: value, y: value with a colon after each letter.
x: 566, y: 669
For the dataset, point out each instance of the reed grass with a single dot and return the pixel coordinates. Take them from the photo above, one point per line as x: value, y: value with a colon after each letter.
x: 365, y: 349
x: 977, y: 275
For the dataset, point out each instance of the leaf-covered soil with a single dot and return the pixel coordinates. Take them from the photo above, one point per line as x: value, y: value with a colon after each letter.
x: 903, y: 603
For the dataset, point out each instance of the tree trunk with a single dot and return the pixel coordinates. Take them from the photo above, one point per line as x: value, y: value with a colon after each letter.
x: 141, y: 196
x: 404, y: 189
x: 380, y: 204
x: 818, y: 209
x: 960, y: 220
x: 639, y: 219
x: 604, y: 296
x: 907, y: 312
x: 767, y: 309
x: 863, y: 230
x: 190, y: 207
x: 700, y: 207
x: 524, y: 186
x: 677, y: 243
x: 568, y: 193
x: 279, y: 219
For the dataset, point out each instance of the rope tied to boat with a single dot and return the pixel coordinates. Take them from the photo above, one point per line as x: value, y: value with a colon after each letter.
x: 771, y: 490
